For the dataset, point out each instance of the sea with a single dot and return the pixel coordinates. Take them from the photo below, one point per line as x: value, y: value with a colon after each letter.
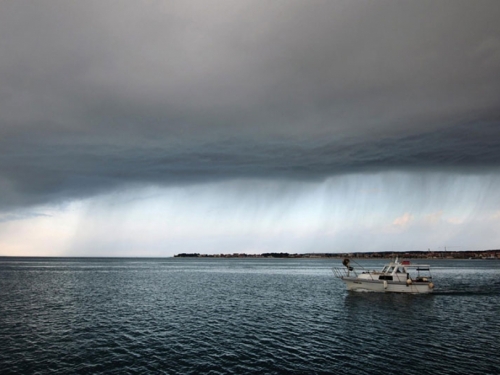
x: 241, y: 316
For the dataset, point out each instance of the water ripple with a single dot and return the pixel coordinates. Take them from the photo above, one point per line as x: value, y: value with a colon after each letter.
x: 233, y: 317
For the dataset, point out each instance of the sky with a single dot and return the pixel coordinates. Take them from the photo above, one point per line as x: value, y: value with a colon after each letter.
x: 152, y: 128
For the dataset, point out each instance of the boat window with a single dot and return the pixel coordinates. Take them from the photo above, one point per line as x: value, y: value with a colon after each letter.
x: 391, y: 269
x: 385, y: 269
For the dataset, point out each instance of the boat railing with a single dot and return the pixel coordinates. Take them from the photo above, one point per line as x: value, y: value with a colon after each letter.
x: 423, y: 273
x: 422, y: 267
x: 343, y: 272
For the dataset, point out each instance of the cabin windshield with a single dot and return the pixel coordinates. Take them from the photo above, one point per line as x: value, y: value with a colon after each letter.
x: 384, y: 270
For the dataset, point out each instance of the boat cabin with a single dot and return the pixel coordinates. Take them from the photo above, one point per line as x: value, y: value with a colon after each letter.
x: 401, y: 271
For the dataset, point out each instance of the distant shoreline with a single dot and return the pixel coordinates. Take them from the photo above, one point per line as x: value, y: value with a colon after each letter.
x: 466, y: 254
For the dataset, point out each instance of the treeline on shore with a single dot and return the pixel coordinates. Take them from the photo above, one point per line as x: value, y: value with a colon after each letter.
x: 467, y: 254
x: 239, y: 255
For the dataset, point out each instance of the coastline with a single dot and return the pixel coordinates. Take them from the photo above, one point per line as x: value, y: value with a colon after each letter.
x: 466, y: 254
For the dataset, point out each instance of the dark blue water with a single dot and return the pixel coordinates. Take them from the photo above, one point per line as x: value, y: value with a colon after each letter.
x: 232, y: 316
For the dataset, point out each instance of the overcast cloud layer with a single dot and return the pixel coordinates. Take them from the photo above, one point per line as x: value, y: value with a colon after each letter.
x: 100, y: 96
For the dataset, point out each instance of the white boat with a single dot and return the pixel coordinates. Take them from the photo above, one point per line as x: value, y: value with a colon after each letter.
x: 395, y: 277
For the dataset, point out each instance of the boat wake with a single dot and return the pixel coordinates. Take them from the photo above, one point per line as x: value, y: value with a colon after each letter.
x: 363, y: 291
x: 468, y: 292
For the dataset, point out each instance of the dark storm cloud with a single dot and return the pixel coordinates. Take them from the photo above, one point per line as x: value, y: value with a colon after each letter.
x: 96, y: 95
x: 54, y: 171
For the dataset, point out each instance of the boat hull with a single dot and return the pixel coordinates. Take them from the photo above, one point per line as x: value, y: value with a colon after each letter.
x: 387, y: 286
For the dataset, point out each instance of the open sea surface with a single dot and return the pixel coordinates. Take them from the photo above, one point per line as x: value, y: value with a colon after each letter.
x: 241, y: 316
